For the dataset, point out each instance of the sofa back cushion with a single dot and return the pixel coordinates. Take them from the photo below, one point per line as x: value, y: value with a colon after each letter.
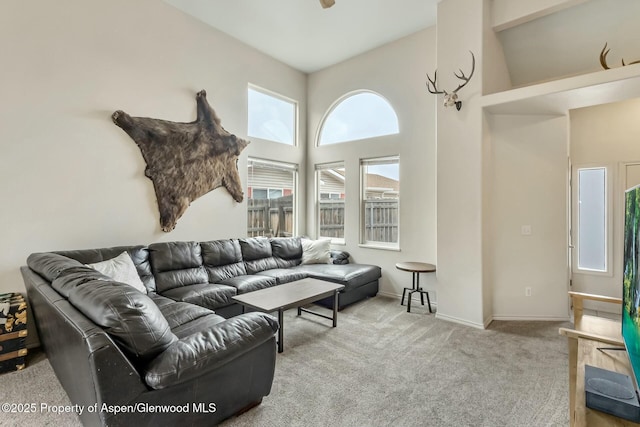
x: 176, y: 264
x: 139, y: 255
x: 257, y: 254
x: 222, y: 259
x: 75, y: 276
x: 129, y: 316
x: 287, y: 251
x: 50, y: 265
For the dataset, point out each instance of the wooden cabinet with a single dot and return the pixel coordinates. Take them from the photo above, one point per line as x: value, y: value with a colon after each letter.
x: 589, y: 334
x: 588, y: 354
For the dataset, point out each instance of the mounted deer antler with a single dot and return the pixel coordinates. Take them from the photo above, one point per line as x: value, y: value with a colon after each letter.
x: 451, y: 98
x: 327, y: 3
x: 603, y: 58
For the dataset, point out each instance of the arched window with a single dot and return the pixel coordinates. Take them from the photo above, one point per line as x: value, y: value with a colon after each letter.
x: 358, y: 115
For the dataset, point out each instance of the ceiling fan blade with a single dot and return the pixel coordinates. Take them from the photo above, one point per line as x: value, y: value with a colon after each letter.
x: 327, y: 3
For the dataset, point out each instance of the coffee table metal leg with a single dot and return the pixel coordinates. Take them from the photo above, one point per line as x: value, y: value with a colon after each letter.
x: 280, y: 331
x: 335, y: 309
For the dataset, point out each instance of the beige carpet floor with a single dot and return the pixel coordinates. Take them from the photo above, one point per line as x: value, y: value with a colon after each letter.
x: 381, y: 366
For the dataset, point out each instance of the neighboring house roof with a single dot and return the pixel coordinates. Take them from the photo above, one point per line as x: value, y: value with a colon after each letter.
x: 382, y: 182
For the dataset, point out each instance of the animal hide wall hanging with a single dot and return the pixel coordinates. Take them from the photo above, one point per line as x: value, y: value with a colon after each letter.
x: 185, y: 160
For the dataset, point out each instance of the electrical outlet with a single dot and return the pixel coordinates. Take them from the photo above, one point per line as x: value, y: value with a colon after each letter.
x: 525, y: 230
x: 527, y: 291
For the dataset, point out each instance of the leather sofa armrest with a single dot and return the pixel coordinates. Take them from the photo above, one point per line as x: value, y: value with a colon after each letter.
x: 207, y: 350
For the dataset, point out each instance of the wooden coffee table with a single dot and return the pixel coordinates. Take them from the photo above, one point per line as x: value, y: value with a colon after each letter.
x: 291, y: 295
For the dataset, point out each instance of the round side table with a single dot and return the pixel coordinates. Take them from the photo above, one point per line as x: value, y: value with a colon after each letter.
x: 415, y: 268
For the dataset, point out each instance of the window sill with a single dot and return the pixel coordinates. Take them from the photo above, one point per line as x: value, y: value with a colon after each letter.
x: 585, y: 272
x: 381, y: 247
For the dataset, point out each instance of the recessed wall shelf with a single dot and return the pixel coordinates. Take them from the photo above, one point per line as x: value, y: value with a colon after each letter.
x: 559, y: 96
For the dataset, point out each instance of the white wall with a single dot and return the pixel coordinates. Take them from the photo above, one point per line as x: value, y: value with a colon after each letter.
x: 509, y: 13
x: 461, y: 294
x: 397, y: 72
x: 607, y: 135
x: 529, y: 187
x: 70, y: 177
x: 569, y: 42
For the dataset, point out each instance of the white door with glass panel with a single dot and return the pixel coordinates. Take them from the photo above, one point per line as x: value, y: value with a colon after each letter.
x: 597, y: 226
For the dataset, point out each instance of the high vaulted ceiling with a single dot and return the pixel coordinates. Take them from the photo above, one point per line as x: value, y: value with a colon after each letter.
x: 307, y: 37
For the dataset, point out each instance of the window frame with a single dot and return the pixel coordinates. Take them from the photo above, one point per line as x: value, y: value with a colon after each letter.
x: 609, y: 173
x: 278, y: 96
x: 374, y: 244
x: 268, y: 191
x: 295, y: 170
x: 339, y: 101
x: 318, y: 170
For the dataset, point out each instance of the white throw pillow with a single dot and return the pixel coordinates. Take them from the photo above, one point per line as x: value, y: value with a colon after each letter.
x: 316, y: 251
x: 121, y: 269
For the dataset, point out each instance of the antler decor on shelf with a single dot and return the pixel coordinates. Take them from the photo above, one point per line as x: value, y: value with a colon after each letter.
x: 327, y: 3
x: 603, y: 58
x: 451, y: 98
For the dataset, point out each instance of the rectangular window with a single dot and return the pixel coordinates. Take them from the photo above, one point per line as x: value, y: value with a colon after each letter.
x: 271, y: 201
x: 592, y: 219
x: 380, y: 195
x: 330, y: 181
x: 271, y: 117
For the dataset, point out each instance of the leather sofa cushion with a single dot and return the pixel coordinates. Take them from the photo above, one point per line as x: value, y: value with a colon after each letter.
x: 284, y: 275
x: 68, y: 279
x: 206, y: 350
x: 257, y: 254
x: 208, y: 295
x: 255, y: 248
x: 287, y: 251
x: 250, y: 283
x: 168, y: 280
x: 129, y: 316
x: 197, y: 325
x: 139, y: 255
x: 176, y: 264
x: 259, y: 265
x: 178, y: 313
x: 350, y: 275
x: 169, y: 256
x: 50, y: 265
x: 222, y: 259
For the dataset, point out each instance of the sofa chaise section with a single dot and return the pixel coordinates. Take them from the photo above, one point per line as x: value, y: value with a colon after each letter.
x: 360, y: 281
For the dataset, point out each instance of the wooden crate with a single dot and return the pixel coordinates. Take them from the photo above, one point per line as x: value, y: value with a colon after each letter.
x: 13, y: 332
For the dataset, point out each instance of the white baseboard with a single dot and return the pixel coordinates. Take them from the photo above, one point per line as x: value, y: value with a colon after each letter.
x: 487, y: 321
x: 399, y: 297
x: 463, y: 321
x: 389, y: 294
x: 532, y: 318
